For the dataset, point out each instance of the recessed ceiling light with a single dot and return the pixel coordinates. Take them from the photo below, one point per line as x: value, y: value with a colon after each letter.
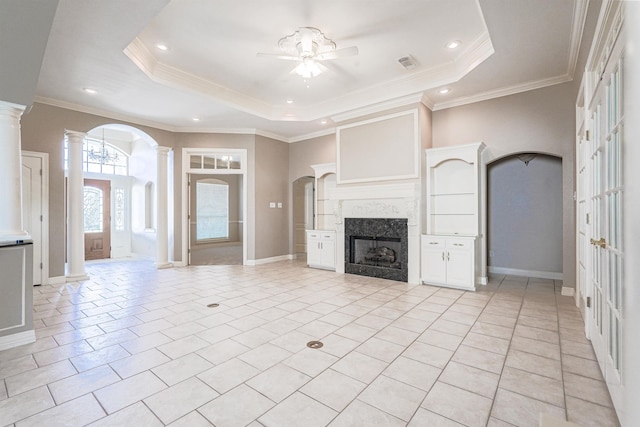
x: 196, y: 119
x: 90, y: 91
x: 444, y: 90
x: 289, y: 101
x: 162, y: 46
x: 324, y: 121
x: 453, y: 44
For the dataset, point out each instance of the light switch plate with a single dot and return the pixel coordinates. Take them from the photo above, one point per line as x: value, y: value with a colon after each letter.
x: 272, y: 204
x: 279, y: 205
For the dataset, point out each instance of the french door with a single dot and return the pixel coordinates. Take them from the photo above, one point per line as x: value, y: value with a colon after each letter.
x: 97, y: 219
x: 605, y: 248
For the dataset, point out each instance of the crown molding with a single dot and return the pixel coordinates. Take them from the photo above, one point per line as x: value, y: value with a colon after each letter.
x: 103, y: 113
x: 378, y: 107
x: 504, y: 91
x: 580, y: 9
x: 312, y: 135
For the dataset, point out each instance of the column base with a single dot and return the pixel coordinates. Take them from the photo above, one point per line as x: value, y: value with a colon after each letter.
x: 162, y: 265
x: 76, y: 277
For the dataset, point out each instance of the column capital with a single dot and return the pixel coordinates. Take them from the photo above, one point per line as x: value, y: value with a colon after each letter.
x: 163, y: 150
x: 9, y: 108
x: 75, y: 136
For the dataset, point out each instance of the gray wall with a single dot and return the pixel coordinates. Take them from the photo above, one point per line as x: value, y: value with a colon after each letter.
x: 541, y: 121
x: 525, y: 214
x: 272, y: 185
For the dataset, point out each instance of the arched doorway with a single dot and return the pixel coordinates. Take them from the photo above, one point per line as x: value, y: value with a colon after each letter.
x: 525, y: 216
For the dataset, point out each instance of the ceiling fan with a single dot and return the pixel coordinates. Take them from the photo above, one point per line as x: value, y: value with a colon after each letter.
x: 309, y: 46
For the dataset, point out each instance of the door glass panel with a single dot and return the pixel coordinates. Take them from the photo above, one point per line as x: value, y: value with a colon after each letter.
x: 119, y: 205
x: 93, y: 204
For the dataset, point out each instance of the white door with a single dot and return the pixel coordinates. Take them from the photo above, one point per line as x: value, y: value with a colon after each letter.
x: 606, y: 247
x: 32, y: 210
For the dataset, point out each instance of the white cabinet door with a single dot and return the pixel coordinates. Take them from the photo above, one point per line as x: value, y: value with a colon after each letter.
x: 314, y: 253
x: 459, y: 267
x: 448, y: 261
x: 321, y: 249
x: 328, y: 250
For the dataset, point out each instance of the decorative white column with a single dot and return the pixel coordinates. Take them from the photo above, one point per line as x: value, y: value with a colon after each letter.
x: 162, y: 207
x: 75, y: 197
x: 11, y: 227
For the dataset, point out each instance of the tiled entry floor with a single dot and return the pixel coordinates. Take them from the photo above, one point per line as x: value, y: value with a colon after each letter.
x: 137, y: 346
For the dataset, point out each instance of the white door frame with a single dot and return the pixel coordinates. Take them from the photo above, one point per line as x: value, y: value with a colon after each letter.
x: 187, y: 170
x: 44, y: 161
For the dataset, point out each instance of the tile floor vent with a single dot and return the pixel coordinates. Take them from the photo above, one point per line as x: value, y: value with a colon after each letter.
x: 314, y: 344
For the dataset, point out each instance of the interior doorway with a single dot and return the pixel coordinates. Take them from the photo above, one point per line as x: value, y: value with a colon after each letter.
x: 35, y: 216
x: 97, y: 219
x: 215, y: 219
x: 303, y: 196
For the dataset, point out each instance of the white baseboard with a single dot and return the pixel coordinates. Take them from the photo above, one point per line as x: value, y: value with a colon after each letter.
x: 179, y: 263
x: 526, y: 273
x: 270, y: 260
x: 77, y: 278
x: 58, y: 280
x: 482, y: 280
x: 14, y: 340
x: 568, y: 292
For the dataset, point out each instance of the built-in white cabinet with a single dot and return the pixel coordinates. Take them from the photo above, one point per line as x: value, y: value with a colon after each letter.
x: 325, y: 176
x: 448, y: 261
x: 321, y: 241
x: 321, y: 249
x: 453, y: 248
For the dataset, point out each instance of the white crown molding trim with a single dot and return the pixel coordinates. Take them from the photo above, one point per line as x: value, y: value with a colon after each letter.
x: 103, y: 113
x: 526, y: 273
x: 174, y: 77
x: 136, y: 121
x: 378, y: 107
x: 312, y: 135
x: 428, y: 102
x: 504, y: 91
x: 407, y: 85
x: 580, y: 8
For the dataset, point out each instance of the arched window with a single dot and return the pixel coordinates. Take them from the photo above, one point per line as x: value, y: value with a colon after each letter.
x: 98, y: 156
x: 212, y: 209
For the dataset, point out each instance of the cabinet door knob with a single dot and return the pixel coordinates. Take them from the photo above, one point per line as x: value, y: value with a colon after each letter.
x: 443, y: 256
x: 433, y: 243
x: 458, y: 244
x: 448, y: 256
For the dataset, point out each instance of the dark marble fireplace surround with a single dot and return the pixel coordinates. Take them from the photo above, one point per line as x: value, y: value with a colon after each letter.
x: 381, y: 232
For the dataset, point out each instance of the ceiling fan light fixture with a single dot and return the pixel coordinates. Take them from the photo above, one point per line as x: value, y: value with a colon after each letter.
x: 308, y: 69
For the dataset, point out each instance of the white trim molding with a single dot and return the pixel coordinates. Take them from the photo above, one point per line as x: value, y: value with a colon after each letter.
x: 262, y: 261
x: 526, y: 273
x: 17, y: 339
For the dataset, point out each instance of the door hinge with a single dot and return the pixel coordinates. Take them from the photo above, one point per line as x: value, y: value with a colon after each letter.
x: 587, y: 136
x: 587, y: 219
x: 41, y: 218
x: 41, y: 266
x: 40, y: 172
x: 588, y: 302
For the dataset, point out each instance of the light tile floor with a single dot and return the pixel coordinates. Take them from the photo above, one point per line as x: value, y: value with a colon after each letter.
x: 135, y: 346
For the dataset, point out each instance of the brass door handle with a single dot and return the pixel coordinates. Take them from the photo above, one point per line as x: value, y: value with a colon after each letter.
x: 602, y: 242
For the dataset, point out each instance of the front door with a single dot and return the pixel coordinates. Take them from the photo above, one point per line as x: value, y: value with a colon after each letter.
x: 97, y: 219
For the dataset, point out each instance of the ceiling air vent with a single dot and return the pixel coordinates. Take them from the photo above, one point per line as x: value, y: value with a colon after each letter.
x: 408, y: 62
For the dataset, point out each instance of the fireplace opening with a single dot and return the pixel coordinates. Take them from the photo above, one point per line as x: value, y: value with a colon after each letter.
x: 376, y: 251
x: 376, y: 247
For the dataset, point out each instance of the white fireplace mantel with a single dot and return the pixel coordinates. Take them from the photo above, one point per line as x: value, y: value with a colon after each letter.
x: 399, y: 200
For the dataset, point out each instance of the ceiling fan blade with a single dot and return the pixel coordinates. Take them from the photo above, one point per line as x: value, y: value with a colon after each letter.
x: 338, y: 53
x: 278, y: 56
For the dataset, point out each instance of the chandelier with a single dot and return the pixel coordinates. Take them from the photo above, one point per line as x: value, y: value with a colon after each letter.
x: 103, y: 154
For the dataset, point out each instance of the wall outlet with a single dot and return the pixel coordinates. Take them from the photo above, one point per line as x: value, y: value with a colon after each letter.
x: 272, y: 205
x: 279, y: 205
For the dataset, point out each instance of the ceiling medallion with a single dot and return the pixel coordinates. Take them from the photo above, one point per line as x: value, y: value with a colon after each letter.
x: 309, y: 46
